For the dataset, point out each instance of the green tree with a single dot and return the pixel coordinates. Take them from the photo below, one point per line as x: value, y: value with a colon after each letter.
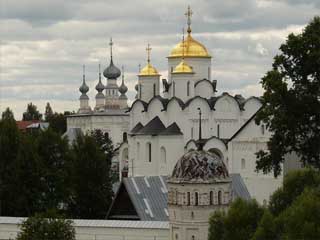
x: 31, y: 113
x: 54, y: 155
x: 48, y: 112
x: 9, y: 147
x: 302, y: 219
x: 293, y: 185
x: 25, y: 186
x: 7, y: 114
x: 58, y: 122
x: 240, y: 223
x: 46, y: 227
x: 91, y: 186
x: 292, y: 101
x: 267, y: 228
x: 217, y: 226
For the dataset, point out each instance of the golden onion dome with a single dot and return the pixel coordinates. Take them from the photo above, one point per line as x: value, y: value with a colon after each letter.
x: 149, y: 70
x: 189, y: 48
x: 183, y: 67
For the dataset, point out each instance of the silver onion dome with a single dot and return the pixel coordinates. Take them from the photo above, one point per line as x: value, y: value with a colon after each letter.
x: 112, y: 72
x: 84, y: 87
x: 123, y: 88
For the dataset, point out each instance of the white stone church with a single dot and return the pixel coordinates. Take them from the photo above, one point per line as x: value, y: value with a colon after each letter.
x: 216, y: 135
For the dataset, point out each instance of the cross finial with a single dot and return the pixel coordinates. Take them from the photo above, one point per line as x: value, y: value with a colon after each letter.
x: 188, y: 14
x: 99, y: 71
x: 111, y: 44
x: 148, y: 52
x: 122, y: 68
x: 84, y: 72
x: 183, y: 44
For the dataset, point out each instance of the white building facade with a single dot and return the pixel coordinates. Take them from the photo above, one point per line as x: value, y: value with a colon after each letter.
x: 161, y: 127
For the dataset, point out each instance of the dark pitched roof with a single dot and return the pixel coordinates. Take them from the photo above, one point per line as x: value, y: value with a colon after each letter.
x: 145, y: 198
x: 173, y: 129
x: 154, y: 127
x: 136, y: 128
x: 245, y: 124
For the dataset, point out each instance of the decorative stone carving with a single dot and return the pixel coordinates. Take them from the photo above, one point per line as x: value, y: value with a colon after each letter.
x: 199, y: 165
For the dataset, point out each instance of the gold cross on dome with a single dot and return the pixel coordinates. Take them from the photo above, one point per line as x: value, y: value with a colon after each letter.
x: 148, y: 52
x: 188, y: 14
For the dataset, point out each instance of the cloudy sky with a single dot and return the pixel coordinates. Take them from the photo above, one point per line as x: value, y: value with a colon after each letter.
x: 44, y: 42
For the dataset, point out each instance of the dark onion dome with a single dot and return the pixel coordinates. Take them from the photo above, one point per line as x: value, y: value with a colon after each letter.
x: 100, y: 87
x: 112, y: 72
x: 123, y: 88
x: 84, y: 88
x: 199, y: 166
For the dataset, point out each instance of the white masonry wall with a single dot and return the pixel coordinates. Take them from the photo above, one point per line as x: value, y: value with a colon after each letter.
x: 99, y: 229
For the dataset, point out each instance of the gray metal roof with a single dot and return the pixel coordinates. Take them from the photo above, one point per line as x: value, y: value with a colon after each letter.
x: 100, y: 223
x: 149, y: 195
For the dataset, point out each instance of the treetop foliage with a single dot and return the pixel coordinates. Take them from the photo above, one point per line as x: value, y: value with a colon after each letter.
x: 292, y: 101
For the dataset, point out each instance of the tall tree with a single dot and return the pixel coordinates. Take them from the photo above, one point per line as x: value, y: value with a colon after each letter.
x: 48, y: 112
x: 31, y: 113
x: 54, y: 157
x: 7, y: 114
x: 58, y: 122
x: 9, y: 147
x: 292, y: 101
x: 91, y: 186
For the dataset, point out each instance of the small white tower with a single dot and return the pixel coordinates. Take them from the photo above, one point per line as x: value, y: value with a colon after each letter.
x: 84, y: 99
x: 195, y: 54
x: 100, y: 98
x: 123, y: 99
x: 199, y: 186
x: 148, y: 83
x: 112, y: 73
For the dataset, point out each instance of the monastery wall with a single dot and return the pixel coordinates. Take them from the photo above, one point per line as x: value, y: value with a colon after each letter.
x: 99, y: 229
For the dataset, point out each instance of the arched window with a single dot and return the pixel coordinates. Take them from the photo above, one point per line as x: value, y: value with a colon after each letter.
x: 262, y: 129
x: 219, y: 197
x: 188, y: 88
x: 171, y: 69
x: 176, y: 236
x: 243, y: 163
x: 138, y: 151
x: 196, y: 198
x: 124, y: 137
x: 218, y: 130
x: 192, y: 133
x: 211, y: 197
x: 154, y: 89
x: 173, y: 89
x: 163, y: 154
x: 106, y: 134
x: 209, y: 72
x: 188, y: 198
x: 149, y: 153
x: 193, y: 237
